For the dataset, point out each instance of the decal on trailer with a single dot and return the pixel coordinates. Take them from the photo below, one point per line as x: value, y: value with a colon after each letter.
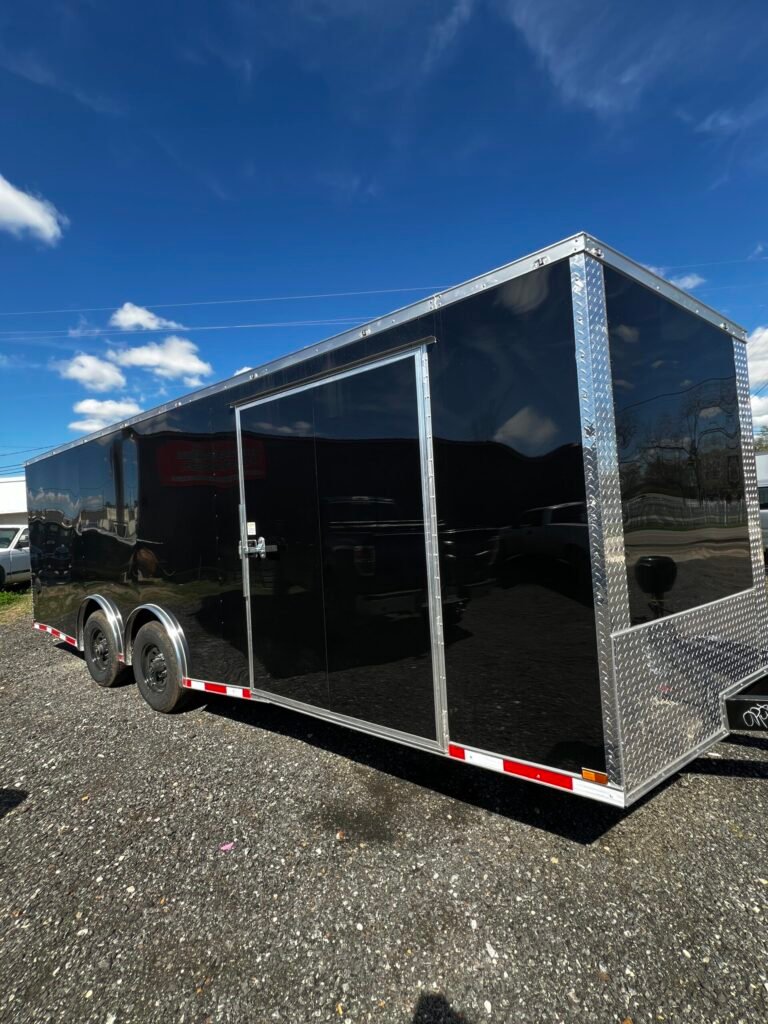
x: 221, y: 688
x: 55, y: 632
x: 756, y: 717
x: 534, y: 773
x: 191, y: 462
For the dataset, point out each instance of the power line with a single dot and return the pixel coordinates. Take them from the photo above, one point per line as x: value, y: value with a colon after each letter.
x: 716, y: 263
x: 21, y: 336
x: 21, y: 451
x: 225, y: 302
x: 760, y: 390
x: 319, y: 295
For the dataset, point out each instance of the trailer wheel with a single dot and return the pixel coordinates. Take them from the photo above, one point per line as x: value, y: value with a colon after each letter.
x: 100, y: 652
x: 156, y: 669
x: 2, y: 577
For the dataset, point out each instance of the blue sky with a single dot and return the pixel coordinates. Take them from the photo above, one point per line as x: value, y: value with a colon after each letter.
x: 173, y: 156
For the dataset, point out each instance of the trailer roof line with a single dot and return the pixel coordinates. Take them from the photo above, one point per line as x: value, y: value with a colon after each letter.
x: 572, y: 245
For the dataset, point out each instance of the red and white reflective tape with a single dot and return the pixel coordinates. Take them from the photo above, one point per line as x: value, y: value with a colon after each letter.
x: 534, y: 773
x: 226, y: 691
x: 55, y: 632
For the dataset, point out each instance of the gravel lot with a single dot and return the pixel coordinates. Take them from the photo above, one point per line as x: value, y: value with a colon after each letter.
x: 366, y: 882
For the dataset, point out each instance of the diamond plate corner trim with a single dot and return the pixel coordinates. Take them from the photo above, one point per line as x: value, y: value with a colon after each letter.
x: 601, y: 473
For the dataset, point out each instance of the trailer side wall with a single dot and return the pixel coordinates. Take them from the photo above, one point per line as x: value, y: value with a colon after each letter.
x: 150, y: 514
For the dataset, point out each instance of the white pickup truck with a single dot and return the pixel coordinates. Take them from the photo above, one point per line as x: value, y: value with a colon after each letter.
x: 14, y: 554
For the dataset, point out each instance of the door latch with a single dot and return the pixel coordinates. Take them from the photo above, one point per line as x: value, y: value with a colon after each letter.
x: 254, y: 548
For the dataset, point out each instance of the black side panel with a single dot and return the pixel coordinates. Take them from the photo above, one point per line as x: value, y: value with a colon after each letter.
x: 55, y: 504
x: 521, y: 654
x: 181, y: 466
x: 281, y: 504
x: 374, y: 559
x: 338, y: 600
x: 682, y: 483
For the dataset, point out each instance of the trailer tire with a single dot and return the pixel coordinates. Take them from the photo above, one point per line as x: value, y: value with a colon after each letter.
x: 100, y: 651
x: 2, y: 577
x: 156, y: 669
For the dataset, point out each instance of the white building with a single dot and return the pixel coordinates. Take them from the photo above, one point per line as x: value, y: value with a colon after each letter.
x: 13, y: 499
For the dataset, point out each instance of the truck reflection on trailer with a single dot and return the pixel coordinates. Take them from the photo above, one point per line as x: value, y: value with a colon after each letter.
x: 515, y: 524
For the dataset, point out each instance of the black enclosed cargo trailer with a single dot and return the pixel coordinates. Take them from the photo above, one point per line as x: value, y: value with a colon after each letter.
x: 515, y: 524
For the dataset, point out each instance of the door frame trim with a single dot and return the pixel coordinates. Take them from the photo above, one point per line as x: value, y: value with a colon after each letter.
x: 419, y: 354
x: 432, y: 545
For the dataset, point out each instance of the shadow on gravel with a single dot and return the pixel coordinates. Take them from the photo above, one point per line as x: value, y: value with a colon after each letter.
x: 731, y: 767
x: 435, y: 1009
x: 73, y: 651
x: 10, y: 799
x: 748, y: 740
x: 573, y: 818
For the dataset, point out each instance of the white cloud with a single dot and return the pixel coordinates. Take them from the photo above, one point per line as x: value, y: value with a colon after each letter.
x: 601, y: 55
x: 100, y: 414
x: 83, y: 329
x: 31, y: 68
x: 22, y: 213
x: 243, y: 369
x: 757, y: 356
x: 93, y: 373
x: 528, y: 431
x: 300, y: 428
x: 760, y: 410
x: 173, y: 359
x: 627, y: 333
x: 758, y: 252
x: 444, y: 32
x: 688, y: 281
x: 137, y: 318
x: 685, y: 281
x: 734, y: 122
x: 607, y: 56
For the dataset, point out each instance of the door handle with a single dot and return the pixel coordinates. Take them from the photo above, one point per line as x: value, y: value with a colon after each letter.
x: 256, y: 547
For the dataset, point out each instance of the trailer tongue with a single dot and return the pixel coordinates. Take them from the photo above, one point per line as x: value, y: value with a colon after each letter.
x: 515, y: 524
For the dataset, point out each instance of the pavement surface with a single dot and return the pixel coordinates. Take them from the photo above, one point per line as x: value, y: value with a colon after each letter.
x: 239, y: 863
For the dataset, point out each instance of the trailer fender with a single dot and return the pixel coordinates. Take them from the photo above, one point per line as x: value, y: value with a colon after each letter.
x: 96, y: 602
x: 146, y: 612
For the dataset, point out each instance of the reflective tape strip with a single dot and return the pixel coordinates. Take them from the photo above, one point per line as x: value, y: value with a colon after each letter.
x: 503, y: 764
x: 55, y: 632
x: 226, y: 691
x: 535, y: 773
x: 545, y: 775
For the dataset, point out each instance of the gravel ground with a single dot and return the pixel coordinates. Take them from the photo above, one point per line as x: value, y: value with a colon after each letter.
x: 365, y: 882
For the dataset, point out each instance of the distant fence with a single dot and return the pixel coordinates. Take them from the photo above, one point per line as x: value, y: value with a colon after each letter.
x: 654, y: 511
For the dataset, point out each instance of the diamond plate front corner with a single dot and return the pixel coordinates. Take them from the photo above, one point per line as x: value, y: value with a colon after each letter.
x: 601, y: 472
